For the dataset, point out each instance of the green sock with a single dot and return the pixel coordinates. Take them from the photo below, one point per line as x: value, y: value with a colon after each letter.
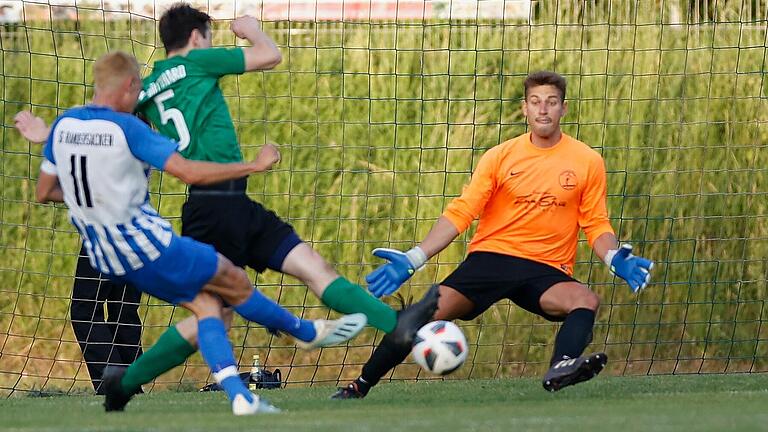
x: 345, y: 297
x: 168, y: 352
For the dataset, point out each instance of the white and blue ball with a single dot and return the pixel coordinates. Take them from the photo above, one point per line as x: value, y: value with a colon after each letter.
x: 440, y: 347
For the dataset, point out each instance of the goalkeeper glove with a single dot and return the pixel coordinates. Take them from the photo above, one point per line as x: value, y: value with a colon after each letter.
x: 388, y: 277
x: 633, y: 269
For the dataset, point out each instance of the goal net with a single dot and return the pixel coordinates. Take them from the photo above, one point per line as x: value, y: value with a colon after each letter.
x: 381, y: 109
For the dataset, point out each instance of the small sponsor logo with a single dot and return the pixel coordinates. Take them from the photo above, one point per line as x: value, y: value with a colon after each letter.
x: 568, y: 180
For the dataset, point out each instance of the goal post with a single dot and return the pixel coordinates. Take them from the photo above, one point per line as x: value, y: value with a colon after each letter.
x: 381, y: 110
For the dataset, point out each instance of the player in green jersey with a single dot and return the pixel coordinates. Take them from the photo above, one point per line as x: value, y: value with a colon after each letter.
x: 182, y: 99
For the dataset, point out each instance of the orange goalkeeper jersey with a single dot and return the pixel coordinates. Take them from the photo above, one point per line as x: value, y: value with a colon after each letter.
x: 532, y: 201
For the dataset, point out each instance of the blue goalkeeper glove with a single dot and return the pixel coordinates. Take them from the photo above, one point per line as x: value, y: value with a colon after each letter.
x: 635, y: 270
x: 388, y: 277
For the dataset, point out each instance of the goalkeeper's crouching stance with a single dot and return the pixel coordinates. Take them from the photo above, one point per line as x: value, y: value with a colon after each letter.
x: 532, y: 195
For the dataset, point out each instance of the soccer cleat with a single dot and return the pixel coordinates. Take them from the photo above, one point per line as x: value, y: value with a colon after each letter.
x: 573, y: 371
x: 335, y: 332
x: 115, y: 398
x: 241, y: 406
x: 351, y: 391
x: 412, y: 318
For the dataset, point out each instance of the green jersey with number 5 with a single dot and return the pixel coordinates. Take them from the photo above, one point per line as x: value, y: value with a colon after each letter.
x: 182, y: 99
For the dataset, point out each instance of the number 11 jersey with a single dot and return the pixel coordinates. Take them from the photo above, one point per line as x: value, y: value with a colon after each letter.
x: 102, y: 159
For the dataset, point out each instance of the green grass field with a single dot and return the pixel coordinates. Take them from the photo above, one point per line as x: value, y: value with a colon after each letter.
x: 661, y: 403
x: 380, y: 125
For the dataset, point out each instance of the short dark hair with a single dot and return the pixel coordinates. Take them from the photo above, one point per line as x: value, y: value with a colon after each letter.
x: 545, y: 78
x: 177, y: 24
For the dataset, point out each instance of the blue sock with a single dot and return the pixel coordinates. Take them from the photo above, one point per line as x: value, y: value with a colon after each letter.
x: 217, y: 352
x: 264, y: 311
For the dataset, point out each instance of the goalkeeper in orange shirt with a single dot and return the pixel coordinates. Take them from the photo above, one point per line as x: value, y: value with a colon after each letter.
x: 532, y: 195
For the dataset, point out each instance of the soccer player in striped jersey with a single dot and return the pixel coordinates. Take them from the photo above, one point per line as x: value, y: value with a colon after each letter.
x: 532, y: 195
x: 97, y: 159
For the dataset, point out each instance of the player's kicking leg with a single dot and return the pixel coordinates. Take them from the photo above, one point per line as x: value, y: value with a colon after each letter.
x: 343, y: 296
x: 232, y: 285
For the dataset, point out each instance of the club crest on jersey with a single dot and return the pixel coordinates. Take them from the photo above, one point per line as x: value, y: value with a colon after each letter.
x: 568, y: 180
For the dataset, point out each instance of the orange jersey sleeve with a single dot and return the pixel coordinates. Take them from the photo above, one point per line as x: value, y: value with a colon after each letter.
x: 461, y: 211
x: 532, y: 202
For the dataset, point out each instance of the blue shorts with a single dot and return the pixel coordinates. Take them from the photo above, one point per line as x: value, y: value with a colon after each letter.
x: 180, y: 272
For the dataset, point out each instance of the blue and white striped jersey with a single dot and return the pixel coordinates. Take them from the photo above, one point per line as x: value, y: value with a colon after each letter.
x: 102, y: 159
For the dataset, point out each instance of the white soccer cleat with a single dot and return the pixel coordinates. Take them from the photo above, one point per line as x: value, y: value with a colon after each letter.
x: 334, y: 332
x: 241, y: 406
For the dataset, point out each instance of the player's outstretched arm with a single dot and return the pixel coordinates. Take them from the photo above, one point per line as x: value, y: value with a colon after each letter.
x: 635, y: 270
x: 31, y: 127
x: 202, y: 173
x: 387, y: 278
x: 263, y: 53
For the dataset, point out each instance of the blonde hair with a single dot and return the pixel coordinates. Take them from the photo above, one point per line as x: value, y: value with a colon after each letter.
x: 111, y: 69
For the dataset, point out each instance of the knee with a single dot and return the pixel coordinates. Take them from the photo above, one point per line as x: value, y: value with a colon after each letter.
x: 308, y: 265
x: 588, y: 300
x: 452, y: 305
x: 205, y: 305
x: 240, y: 284
x: 233, y: 284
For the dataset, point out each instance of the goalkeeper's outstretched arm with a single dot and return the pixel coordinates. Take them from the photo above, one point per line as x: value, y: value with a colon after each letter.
x: 441, y: 235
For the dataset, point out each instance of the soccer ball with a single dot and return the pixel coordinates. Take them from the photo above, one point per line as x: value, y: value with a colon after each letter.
x: 440, y: 347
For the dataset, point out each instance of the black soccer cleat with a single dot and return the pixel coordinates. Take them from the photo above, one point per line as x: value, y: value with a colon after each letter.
x: 115, y: 398
x: 573, y: 371
x: 351, y: 391
x: 412, y: 318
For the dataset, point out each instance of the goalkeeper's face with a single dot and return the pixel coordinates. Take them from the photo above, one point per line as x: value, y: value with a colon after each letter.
x: 543, y: 108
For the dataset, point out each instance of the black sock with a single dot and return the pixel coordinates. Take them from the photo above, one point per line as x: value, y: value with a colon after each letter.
x: 574, y: 335
x: 362, y: 385
x: 384, y: 358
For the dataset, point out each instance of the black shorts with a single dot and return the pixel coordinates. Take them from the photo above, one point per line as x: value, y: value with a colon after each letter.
x: 487, y: 277
x: 239, y: 228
